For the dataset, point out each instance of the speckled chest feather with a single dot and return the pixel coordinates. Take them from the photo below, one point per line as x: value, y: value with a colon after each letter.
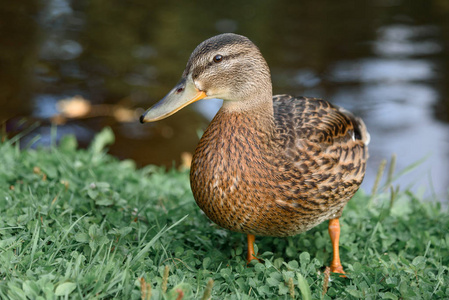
x: 279, y: 175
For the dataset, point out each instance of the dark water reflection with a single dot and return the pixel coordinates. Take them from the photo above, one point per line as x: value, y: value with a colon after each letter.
x: 385, y: 60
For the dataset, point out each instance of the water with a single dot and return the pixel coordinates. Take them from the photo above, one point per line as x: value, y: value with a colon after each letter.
x: 386, y: 61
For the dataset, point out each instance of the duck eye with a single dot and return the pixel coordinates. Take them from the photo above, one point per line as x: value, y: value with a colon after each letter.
x: 218, y: 58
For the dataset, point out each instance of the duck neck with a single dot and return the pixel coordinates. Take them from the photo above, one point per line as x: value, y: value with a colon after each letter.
x: 257, y: 116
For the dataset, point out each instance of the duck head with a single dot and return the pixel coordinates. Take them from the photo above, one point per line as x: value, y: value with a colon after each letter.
x: 226, y: 66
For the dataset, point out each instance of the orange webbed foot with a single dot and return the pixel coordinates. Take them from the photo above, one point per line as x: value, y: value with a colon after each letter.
x: 337, y: 269
x: 334, y: 233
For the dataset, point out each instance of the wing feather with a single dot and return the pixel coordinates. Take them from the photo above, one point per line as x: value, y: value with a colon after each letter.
x: 325, y: 145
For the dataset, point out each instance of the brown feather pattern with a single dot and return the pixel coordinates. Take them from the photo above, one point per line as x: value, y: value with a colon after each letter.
x: 280, y: 172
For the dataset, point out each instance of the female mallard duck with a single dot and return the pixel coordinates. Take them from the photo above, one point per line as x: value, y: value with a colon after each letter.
x: 274, y: 166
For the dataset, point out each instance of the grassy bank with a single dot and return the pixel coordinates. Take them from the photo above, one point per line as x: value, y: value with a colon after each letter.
x: 81, y: 224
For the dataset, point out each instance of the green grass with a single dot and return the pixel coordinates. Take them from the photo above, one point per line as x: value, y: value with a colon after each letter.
x: 81, y: 224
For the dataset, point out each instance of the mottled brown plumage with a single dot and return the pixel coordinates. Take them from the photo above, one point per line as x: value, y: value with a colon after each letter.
x: 282, y: 178
x: 266, y: 165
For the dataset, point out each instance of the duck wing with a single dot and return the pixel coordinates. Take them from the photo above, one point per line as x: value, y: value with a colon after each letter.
x: 325, y: 152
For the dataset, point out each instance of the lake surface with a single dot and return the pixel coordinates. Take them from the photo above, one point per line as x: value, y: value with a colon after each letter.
x: 387, y: 61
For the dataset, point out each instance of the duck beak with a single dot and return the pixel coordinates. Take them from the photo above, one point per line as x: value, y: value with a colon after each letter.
x: 183, y: 94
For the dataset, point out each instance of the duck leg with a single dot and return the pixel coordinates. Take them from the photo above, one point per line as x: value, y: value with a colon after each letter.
x: 334, y: 233
x: 251, y: 254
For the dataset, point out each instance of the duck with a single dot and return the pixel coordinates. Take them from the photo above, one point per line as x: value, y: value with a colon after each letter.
x: 266, y: 165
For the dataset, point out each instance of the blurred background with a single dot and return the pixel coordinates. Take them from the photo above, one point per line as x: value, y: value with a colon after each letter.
x: 83, y: 65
